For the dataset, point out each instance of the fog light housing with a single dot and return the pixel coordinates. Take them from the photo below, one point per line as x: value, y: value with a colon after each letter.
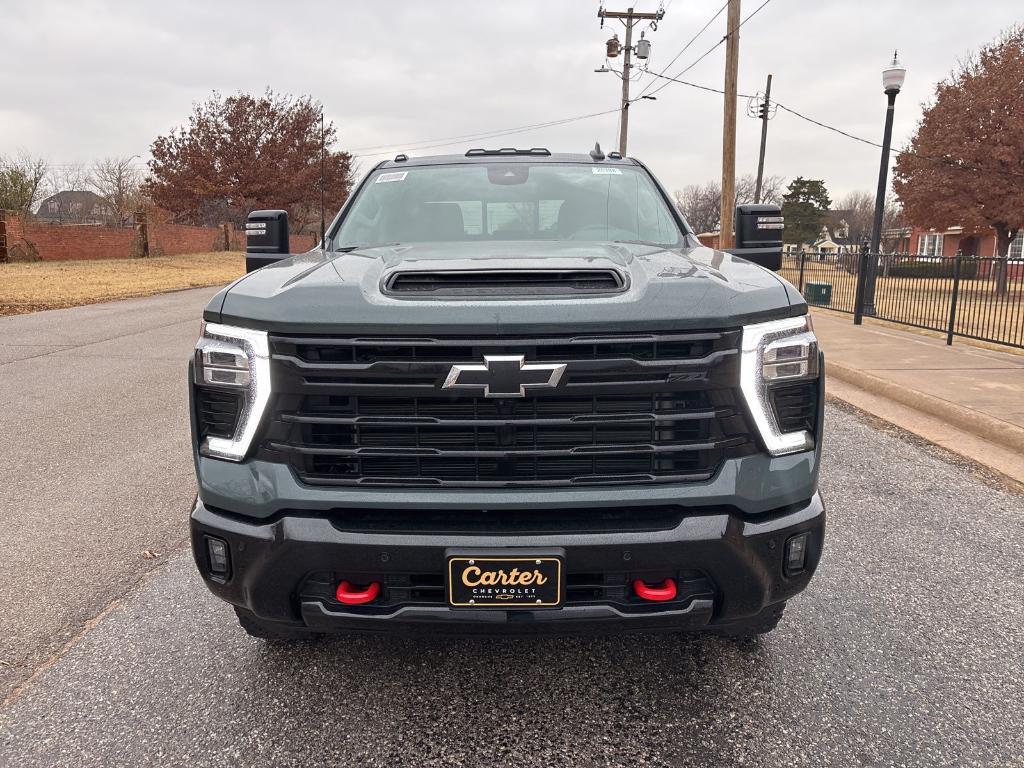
x: 217, y: 557
x: 796, y: 553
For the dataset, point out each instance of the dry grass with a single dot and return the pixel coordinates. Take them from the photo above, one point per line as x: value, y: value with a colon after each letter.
x: 33, y: 286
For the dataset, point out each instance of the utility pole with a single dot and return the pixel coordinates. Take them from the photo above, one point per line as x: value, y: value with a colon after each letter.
x: 624, y: 110
x: 628, y: 18
x: 727, y: 235
x: 323, y: 152
x: 763, y: 114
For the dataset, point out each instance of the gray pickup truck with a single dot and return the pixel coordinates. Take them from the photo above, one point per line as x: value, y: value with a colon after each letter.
x: 512, y: 393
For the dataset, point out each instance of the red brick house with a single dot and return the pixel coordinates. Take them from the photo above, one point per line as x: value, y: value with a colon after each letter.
x: 920, y: 241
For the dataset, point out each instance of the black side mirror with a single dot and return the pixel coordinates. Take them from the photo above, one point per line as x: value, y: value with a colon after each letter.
x: 266, y: 238
x: 759, y: 235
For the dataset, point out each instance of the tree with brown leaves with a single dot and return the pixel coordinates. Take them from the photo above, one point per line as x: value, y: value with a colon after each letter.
x: 243, y: 153
x: 965, y: 163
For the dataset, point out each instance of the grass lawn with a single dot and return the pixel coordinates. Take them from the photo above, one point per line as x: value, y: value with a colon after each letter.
x: 32, y: 286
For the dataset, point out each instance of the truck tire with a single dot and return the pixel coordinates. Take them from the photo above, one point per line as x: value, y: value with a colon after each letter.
x: 761, y: 624
x: 268, y: 630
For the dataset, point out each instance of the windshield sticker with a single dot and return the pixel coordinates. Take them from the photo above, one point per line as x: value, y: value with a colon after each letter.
x: 393, y: 176
x: 606, y: 171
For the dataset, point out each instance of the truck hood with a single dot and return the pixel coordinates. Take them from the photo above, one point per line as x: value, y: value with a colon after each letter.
x: 666, y: 289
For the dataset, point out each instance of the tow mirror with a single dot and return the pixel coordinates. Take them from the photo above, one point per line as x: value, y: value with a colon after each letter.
x: 266, y: 238
x: 759, y: 235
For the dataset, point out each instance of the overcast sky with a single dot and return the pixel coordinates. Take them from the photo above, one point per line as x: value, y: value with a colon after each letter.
x: 86, y: 80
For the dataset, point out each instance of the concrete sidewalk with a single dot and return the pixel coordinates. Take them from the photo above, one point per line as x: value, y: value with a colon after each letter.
x: 967, y: 399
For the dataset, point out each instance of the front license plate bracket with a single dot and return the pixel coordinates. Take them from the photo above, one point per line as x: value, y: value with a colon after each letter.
x: 505, y: 579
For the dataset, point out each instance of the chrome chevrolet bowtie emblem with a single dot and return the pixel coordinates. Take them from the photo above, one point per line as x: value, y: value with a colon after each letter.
x: 504, y: 376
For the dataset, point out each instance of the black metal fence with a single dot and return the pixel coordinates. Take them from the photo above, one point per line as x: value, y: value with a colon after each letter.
x: 976, y: 298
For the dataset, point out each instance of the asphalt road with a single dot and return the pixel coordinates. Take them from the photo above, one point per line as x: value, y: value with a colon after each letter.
x: 96, y: 466
x: 905, y: 650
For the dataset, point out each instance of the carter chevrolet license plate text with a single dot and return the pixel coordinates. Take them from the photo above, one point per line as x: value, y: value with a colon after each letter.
x: 505, y: 582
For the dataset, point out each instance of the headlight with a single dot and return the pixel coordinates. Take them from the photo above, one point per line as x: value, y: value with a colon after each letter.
x: 232, y: 378
x: 779, y: 371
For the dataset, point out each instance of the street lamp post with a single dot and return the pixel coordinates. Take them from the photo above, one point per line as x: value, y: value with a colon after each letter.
x: 892, y: 80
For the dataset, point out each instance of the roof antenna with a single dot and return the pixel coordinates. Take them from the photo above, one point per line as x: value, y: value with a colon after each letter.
x: 596, y: 152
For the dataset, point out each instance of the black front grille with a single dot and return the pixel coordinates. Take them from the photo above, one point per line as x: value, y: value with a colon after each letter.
x: 640, y: 409
x: 217, y: 412
x: 796, y: 406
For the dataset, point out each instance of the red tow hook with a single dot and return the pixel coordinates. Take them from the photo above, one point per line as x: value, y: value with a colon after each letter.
x: 350, y: 595
x: 658, y: 593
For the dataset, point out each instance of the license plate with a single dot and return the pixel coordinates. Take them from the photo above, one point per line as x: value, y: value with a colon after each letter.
x: 505, y: 582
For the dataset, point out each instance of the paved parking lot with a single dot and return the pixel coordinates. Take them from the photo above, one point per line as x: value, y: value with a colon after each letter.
x: 904, y: 651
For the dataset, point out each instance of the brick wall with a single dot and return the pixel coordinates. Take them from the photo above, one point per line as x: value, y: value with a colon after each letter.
x: 174, y: 239
x: 25, y: 239
x: 709, y: 239
x: 298, y: 243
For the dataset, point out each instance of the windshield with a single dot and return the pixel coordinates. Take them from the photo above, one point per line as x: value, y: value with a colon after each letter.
x: 508, y: 201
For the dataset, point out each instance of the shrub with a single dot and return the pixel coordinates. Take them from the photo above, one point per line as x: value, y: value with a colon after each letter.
x: 926, y: 269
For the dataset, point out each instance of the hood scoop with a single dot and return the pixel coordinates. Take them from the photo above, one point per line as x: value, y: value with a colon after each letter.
x: 498, y: 283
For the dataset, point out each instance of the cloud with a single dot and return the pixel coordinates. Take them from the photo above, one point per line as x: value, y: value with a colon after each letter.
x: 105, y: 78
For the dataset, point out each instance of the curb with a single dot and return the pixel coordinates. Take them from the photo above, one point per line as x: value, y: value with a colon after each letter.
x: 979, y: 424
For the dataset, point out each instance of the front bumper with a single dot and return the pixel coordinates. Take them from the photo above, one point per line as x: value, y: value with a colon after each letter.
x: 728, y: 565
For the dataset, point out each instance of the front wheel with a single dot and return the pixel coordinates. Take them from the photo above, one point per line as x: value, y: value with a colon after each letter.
x: 760, y: 624
x: 269, y: 630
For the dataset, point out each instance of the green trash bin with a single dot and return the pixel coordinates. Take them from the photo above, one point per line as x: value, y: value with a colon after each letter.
x: 818, y: 293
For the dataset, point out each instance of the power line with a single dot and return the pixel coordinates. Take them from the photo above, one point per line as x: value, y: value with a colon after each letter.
x: 470, y: 136
x: 840, y: 131
x: 948, y: 161
x: 713, y: 48
x: 487, y: 135
x: 683, y: 50
x: 422, y: 143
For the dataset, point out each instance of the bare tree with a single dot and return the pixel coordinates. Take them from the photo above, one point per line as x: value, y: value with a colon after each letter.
x: 701, y: 204
x: 857, y: 209
x: 771, y: 189
x: 22, y: 180
x: 118, y: 181
x: 67, y: 209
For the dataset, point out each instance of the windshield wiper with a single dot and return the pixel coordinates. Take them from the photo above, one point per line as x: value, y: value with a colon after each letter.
x: 350, y: 248
x: 642, y: 242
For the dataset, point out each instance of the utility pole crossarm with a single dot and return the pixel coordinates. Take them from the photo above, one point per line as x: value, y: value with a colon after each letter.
x: 631, y: 14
